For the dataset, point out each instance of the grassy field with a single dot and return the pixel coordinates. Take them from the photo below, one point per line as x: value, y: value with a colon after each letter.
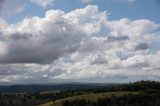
x: 47, y: 104
x: 91, y: 97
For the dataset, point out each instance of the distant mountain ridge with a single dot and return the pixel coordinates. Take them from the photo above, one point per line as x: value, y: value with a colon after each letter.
x: 55, y: 86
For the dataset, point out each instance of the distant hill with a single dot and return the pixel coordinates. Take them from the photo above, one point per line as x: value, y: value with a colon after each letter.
x: 49, y: 87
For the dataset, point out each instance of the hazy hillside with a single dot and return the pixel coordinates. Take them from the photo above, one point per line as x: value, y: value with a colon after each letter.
x: 51, y: 87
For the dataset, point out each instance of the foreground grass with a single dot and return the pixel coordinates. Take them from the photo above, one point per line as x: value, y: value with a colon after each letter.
x: 90, y: 97
x: 51, y: 104
x: 94, y: 97
x: 47, y: 104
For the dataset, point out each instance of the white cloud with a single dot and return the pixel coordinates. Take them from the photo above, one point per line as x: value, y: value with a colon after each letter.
x: 43, y: 3
x: 88, y: 18
x: 85, y: 1
x: 135, y: 61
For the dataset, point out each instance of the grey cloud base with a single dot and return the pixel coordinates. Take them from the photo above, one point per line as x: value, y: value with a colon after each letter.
x: 40, y: 40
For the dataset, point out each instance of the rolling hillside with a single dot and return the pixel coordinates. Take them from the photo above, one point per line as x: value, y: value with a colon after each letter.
x: 90, y: 97
x: 141, y: 93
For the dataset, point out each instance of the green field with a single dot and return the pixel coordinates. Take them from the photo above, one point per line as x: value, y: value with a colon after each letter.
x: 91, y: 97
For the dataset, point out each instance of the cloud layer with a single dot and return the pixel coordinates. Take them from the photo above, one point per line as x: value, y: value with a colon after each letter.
x: 82, y: 45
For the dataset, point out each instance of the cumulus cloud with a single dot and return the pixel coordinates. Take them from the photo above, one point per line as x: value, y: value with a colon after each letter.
x: 40, y: 40
x: 89, y: 18
x: 82, y: 45
x: 43, y: 3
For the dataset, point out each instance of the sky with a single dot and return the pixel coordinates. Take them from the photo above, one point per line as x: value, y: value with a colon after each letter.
x: 56, y: 41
